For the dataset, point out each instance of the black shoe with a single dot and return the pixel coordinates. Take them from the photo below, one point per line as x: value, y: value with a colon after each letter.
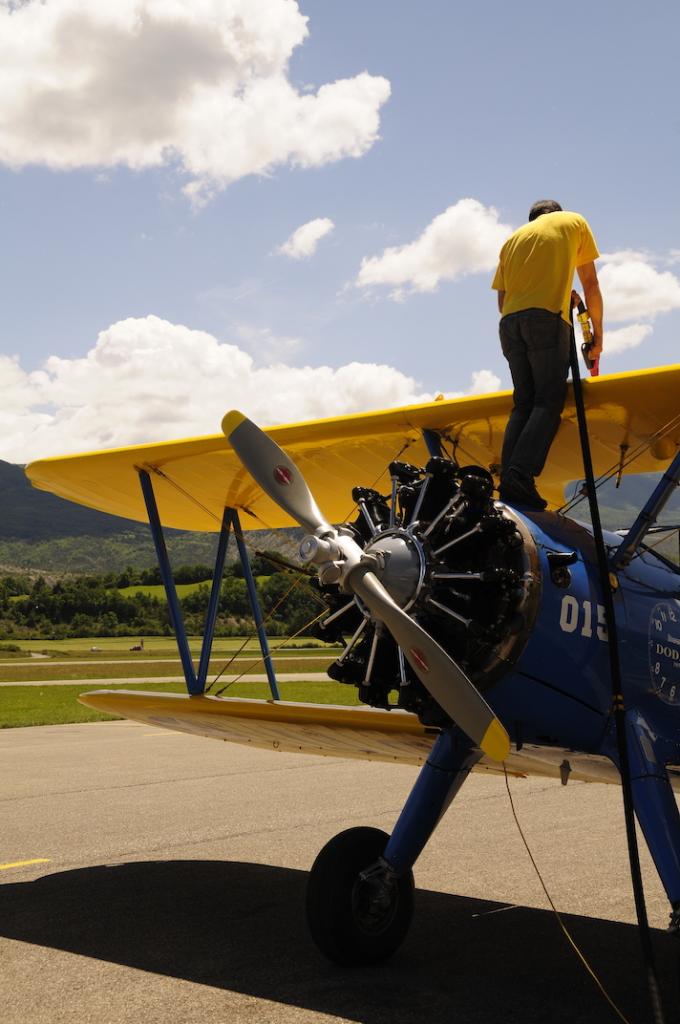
x: 674, y: 924
x: 517, y: 489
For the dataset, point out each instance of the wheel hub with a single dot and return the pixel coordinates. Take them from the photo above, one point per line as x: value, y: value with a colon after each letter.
x: 374, y: 904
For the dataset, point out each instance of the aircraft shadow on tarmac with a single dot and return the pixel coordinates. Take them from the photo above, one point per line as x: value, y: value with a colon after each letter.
x: 241, y: 927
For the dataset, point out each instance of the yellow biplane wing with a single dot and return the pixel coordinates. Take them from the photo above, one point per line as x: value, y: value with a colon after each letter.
x: 195, y: 479
x: 358, y: 733
x: 631, y: 415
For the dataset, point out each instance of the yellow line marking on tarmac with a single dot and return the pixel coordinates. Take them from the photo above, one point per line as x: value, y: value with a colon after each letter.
x: 24, y: 863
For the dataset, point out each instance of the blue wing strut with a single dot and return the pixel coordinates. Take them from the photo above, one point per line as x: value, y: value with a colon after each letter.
x: 196, y: 682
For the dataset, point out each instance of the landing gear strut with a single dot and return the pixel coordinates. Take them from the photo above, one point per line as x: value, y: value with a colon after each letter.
x: 358, y: 910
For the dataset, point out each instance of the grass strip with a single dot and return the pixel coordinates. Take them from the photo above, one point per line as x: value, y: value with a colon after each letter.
x: 159, y: 645
x: 14, y: 673
x: 58, y: 705
x: 104, y: 655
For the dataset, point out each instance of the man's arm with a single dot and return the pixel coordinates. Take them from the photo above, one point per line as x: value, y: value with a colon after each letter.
x: 593, y: 296
x: 501, y: 298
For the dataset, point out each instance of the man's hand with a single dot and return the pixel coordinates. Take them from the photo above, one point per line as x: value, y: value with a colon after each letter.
x: 591, y: 286
x: 595, y: 347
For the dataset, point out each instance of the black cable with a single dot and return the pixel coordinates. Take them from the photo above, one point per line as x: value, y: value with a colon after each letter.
x: 565, y: 931
x: 616, y: 679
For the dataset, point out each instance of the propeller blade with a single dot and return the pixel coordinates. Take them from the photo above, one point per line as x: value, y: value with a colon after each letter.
x: 280, y: 479
x: 437, y: 671
x: 273, y: 470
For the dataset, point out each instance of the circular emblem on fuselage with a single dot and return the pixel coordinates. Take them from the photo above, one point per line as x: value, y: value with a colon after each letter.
x: 664, y: 650
x: 283, y: 476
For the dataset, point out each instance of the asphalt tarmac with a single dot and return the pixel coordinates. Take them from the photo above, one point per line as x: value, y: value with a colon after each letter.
x: 150, y: 877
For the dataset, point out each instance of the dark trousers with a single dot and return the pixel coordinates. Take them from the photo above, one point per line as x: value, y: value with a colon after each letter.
x: 535, y: 343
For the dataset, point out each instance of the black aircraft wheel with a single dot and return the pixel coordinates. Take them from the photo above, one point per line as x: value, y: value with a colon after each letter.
x: 352, y: 920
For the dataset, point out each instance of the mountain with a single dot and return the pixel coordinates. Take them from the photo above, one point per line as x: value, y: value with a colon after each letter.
x: 29, y: 514
x: 44, y: 533
x: 619, y: 506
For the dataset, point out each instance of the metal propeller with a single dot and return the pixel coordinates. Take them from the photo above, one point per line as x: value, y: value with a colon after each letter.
x: 342, y: 560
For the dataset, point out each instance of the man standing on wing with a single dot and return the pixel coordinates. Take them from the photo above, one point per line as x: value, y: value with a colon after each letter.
x: 534, y: 284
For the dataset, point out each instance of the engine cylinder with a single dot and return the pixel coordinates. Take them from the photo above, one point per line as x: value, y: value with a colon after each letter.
x: 463, y: 566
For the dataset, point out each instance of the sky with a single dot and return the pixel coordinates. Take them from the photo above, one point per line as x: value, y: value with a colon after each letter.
x: 296, y: 208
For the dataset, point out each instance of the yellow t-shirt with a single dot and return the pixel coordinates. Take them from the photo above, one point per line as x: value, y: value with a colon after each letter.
x: 537, y: 263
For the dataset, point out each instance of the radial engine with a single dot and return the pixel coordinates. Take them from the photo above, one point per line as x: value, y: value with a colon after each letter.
x: 463, y: 566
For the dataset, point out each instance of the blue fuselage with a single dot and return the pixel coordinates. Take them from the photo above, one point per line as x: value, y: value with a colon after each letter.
x: 559, y: 691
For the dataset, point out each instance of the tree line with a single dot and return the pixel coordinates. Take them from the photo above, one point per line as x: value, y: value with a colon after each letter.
x: 94, y: 605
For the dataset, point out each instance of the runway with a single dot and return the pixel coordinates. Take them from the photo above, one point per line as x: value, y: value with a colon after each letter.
x: 149, y: 876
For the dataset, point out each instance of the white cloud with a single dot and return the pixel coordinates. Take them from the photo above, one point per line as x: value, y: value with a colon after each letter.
x: 625, y: 337
x: 484, y: 381
x: 304, y: 240
x: 632, y: 288
x: 626, y: 256
x: 150, y: 380
x: 465, y: 239
x: 266, y: 346
x: 200, y: 84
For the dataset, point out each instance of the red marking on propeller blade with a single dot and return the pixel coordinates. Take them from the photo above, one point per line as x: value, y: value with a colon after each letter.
x: 420, y: 659
x: 283, y: 476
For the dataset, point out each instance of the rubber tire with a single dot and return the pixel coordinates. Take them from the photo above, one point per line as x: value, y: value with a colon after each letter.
x: 332, y: 897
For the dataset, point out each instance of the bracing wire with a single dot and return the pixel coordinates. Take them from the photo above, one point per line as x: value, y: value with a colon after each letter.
x: 231, y: 661
x: 278, y: 648
x: 407, y: 444
x: 303, y: 575
x: 251, y: 636
x: 458, y: 446
x: 284, y: 597
x: 614, y: 469
x: 204, y: 508
x: 237, y: 533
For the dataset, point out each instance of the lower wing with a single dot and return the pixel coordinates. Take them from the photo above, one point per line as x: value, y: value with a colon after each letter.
x: 366, y: 734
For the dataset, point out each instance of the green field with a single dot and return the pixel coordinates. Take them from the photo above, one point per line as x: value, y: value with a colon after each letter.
x: 21, y: 672
x: 158, y: 590
x: 87, y: 659
x: 155, y: 646
x: 58, y: 705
